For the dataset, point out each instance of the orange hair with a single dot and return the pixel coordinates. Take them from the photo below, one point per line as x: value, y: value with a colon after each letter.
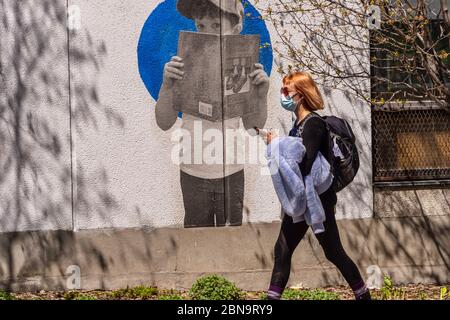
x: 305, y: 85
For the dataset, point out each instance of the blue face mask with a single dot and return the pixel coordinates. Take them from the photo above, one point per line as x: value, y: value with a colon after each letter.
x: 288, y: 103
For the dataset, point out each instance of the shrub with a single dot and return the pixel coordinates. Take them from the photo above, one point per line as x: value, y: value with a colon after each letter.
x: 316, y: 294
x: 389, y: 292
x: 6, y: 295
x: 74, y: 295
x: 214, y: 287
x: 170, y: 295
x: 139, y: 292
x: 444, y: 294
x: 263, y: 296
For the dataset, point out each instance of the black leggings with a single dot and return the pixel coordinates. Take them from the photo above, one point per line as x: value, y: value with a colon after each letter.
x: 290, y: 236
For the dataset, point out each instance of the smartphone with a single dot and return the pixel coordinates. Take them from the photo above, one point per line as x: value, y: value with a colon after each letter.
x: 261, y: 132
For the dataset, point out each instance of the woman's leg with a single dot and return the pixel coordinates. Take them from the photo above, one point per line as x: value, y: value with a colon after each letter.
x: 335, y: 253
x: 290, y: 236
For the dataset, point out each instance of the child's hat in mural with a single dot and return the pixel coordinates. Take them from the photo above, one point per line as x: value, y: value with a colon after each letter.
x: 185, y: 7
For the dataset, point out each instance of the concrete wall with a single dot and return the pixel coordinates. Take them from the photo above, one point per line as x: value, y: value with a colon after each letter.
x: 87, y: 177
x: 410, y: 250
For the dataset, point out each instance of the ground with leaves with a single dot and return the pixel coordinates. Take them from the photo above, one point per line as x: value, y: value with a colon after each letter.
x: 408, y: 292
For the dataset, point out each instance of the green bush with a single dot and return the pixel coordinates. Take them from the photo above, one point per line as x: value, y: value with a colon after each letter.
x: 390, y: 292
x: 74, y: 295
x: 444, y: 294
x: 423, y: 296
x: 263, y: 296
x: 140, y: 292
x: 316, y: 294
x: 214, y: 287
x: 6, y: 295
x: 170, y: 297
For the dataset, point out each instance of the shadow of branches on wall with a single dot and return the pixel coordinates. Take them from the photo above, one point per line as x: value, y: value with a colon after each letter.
x: 48, y: 94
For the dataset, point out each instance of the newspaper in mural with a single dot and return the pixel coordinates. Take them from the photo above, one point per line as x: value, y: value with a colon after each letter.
x: 201, y: 96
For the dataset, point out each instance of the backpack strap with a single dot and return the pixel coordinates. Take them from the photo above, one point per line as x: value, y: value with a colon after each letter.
x: 301, y: 126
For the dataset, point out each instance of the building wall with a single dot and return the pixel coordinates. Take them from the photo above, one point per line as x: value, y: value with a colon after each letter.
x: 140, y: 180
x: 87, y: 177
x: 35, y: 156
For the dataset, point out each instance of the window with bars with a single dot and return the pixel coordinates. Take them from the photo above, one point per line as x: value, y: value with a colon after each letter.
x: 411, y: 142
x: 411, y: 145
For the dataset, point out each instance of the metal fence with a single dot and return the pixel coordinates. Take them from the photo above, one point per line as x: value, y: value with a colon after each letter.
x: 411, y: 145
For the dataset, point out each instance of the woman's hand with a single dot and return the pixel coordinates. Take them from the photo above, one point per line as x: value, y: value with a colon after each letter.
x: 270, y: 136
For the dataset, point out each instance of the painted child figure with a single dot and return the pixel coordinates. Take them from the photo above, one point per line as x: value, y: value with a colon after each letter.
x: 213, y: 193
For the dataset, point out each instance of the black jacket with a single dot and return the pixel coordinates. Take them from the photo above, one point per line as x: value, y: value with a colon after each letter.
x: 315, y: 138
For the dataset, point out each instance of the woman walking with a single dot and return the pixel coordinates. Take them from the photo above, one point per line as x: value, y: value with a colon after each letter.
x: 300, y: 95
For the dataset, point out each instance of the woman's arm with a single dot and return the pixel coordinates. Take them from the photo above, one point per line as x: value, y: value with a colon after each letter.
x: 313, y: 136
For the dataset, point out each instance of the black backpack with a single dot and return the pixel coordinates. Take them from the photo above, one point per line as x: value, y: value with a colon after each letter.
x: 341, y: 140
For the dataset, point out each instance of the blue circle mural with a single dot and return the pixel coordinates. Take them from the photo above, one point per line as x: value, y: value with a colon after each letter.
x: 159, y: 41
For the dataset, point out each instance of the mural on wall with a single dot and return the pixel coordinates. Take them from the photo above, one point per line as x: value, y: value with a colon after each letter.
x: 208, y: 63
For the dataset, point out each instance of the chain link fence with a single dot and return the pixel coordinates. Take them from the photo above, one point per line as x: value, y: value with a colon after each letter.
x: 411, y: 145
